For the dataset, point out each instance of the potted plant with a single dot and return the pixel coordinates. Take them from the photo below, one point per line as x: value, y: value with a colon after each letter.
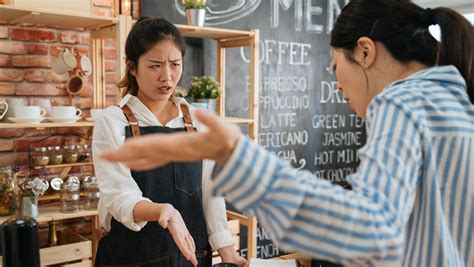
x: 205, y: 89
x: 195, y: 12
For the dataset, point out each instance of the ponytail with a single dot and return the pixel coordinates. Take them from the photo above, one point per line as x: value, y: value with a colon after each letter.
x: 457, y: 44
x: 402, y: 27
x: 128, y: 84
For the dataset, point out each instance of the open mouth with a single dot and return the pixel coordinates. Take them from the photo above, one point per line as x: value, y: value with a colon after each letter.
x: 164, y: 89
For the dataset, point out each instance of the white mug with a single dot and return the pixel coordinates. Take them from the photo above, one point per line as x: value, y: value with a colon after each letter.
x: 84, y: 65
x: 3, y: 109
x: 12, y: 103
x: 66, y: 112
x: 29, y: 112
x: 95, y: 112
x: 65, y: 62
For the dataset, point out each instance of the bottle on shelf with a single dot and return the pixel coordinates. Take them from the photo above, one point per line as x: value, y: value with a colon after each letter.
x: 70, y: 190
x: 84, y: 153
x: 20, y: 242
x: 55, y: 155
x: 40, y: 156
x: 70, y: 154
x: 8, y: 192
x: 92, y: 194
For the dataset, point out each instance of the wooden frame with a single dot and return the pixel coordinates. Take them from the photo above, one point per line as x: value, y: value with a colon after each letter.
x: 100, y: 28
x: 251, y: 223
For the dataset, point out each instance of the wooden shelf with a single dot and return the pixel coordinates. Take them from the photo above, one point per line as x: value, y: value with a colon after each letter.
x: 64, y: 165
x: 48, y: 213
x: 55, y: 196
x: 210, y: 32
x: 44, y: 125
x: 237, y: 120
x: 13, y: 15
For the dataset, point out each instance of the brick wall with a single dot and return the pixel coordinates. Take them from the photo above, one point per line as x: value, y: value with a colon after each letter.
x: 26, y: 55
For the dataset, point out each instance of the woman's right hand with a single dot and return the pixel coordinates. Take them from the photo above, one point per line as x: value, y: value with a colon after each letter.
x: 171, y: 219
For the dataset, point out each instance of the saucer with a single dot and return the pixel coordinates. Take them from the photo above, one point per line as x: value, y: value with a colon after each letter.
x: 64, y: 120
x: 26, y: 120
x: 90, y: 119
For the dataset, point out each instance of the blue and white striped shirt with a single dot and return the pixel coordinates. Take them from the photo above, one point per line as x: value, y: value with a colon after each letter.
x: 412, y: 202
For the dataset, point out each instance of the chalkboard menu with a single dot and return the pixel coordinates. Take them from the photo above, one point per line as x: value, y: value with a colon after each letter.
x: 302, y: 116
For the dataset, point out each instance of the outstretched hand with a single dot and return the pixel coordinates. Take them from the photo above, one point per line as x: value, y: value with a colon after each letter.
x: 154, y: 150
x: 171, y: 219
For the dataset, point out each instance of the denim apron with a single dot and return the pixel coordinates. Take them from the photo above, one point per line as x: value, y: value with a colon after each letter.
x: 177, y: 183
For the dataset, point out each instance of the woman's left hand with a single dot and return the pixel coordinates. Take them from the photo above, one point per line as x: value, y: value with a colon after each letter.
x: 171, y: 219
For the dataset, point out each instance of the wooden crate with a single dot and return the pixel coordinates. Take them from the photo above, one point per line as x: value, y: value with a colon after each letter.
x: 78, y: 7
x: 86, y: 263
x: 71, y: 247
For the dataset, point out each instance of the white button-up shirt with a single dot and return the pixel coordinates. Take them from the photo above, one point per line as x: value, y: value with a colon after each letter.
x: 119, y: 191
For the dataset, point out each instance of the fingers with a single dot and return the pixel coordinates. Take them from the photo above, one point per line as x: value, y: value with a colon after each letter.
x: 190, y: 241
x: 192, y: 246
x: 186, y: 245
x: 144, y: 164
x: 209, y: 118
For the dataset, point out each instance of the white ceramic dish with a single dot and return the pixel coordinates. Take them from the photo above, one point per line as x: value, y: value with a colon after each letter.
x: 64, y: 120
x: 90, y: 119
x: 26, y: 120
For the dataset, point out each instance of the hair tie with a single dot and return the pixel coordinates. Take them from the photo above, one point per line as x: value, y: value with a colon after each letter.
x: 427, y: 17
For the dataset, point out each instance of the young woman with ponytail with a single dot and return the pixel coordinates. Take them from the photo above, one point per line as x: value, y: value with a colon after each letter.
x: 160, y: 217
x: 412, y: 198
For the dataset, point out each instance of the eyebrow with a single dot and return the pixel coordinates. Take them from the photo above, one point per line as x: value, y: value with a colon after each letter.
x: 159, y: 61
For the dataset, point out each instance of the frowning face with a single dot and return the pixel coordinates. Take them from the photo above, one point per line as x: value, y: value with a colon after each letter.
x: 158, y: 72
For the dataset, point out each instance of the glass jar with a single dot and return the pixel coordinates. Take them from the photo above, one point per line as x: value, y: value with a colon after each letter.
x: 40, y: 156
x: 55, y: 155
x: 70, y: 154
x: 70, y: 196
x: 84, y: 153
x: 55, y: 184
x: 7, y: 191
x: 92, y: 194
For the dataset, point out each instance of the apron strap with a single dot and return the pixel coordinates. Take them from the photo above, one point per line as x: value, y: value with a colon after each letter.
x: 188, y: 123
x: 132, y: 120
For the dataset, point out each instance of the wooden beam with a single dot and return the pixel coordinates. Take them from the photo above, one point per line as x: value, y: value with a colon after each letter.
x: 254, y: 84
x: 125, y: 25
x: 227, y: 43
x: 104, y: 33
x: 221, y: 78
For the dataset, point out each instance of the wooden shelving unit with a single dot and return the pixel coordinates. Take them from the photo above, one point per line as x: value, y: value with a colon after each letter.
x: 49, y: 213
x: 44, y: 125
x: 63, y: 165
x: 13, y: 15
x: 100, y: 28
x: 213, y: 33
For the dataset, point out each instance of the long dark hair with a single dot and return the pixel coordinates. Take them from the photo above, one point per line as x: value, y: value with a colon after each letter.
x: 402, y: 27
x: 146, y: 33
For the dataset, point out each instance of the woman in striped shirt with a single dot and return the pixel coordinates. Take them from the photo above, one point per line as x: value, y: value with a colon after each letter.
x: 412, y: 202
